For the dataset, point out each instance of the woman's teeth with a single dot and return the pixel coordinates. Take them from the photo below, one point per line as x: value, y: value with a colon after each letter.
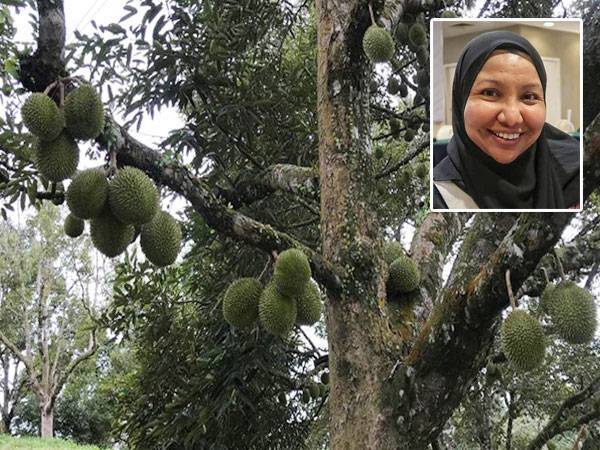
x: 507, y: 136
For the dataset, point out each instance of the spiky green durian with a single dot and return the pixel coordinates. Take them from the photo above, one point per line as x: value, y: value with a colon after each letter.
x: 309, y: 305
x: 132, y: 196
x: 395, y: 127
x: 315, y: 392
x: 421, y: 170
x: 161, y: 239
x: 522, y: 340
x: 378, y: 44
x: 393, y: 85
x: 109, y: 235
x: 546, y: 299
x: 392, y: 251
x: 322, y: 390
x: 404, y: 275
x: 305, y: 395
x: 73, y: 226
x: 277, y: 313
x: 325, y: 378
x: 57, y: 160
x: 240, y: 304
x: 422, y: 78
x: 87, y: 193
x: 423, y: 55
x: 84, y: 114
x: 417, y: 35
x: 573, y: 313
x: 403, y: 90
x: 291, y: 272
x: 42, y: 116
x: 493, y: 372
x: 448, y: 14
x: 402, y: 33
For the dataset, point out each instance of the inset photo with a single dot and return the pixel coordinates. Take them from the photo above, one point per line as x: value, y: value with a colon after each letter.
x: 506, y: 109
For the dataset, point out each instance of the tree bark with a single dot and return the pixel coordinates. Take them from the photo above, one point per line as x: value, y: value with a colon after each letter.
x: 47, y: 420
x: 359, y: 338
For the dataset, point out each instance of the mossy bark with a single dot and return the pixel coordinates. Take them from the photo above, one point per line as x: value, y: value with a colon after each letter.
x: 361, y: 344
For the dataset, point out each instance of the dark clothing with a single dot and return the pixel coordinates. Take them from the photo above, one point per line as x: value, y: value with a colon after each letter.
x: 545, y: 176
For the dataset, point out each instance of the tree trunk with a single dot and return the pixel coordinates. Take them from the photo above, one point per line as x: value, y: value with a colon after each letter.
x: 360, y: 357
x: 47, y: 422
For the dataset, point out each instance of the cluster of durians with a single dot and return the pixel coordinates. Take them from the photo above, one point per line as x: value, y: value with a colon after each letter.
x: 573, y: 314
x: 403, y: 274
x: 56, y: 129
x: 291, y: 297
x: 118, y: 209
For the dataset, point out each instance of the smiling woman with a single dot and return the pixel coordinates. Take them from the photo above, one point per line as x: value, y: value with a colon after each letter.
x: 502, y: 154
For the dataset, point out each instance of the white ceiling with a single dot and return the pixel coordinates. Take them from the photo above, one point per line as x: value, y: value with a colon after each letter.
x: 462, y: 26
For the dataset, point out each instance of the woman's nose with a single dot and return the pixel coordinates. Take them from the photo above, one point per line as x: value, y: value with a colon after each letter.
x: 510, y: 114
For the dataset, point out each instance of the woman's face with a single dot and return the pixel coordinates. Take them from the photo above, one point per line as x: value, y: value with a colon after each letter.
x: 505, y: 110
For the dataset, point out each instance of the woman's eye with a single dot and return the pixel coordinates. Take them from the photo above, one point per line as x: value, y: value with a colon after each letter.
x: 531, y: 97
x: 489, y: 93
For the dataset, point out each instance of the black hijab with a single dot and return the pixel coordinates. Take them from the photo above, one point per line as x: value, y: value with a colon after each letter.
x: 546, y: 176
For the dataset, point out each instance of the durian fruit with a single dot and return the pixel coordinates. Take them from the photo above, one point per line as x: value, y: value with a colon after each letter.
x: 393, y: 85
x: 404, y: 275
x: 240, y: 304
x: 161, y: 239
x: 84, y: 114
x: 493, y: 373
x: 425, y: 127
x: 322, y: 390
x: 402, y: 33
x: 282, y: 398
x: 403, y: 90
x: 87, y: 194
x: 417, y: 35
x: 448, y: 14
x: 315, y: 392
x: 132, y: 196
x: 73, y: 226
x: 309, y: 305
x: 409, y: 135
x: 522, y: 340
x: 378, y: 44
x: 546, y: 299
x: 57, y: 160
x: 573, y: 313
x: 395, y: 126
x: 276, y: 312
x: 421, y: 170
x: 291, y: 272
x: 423, y: 55
x: 109, y: 235
x: 392, y: 251
x: 378, y: 153
x: 422, y: 78
x: 305, y: 395
x: 42, y: 117
x: 325, y: 378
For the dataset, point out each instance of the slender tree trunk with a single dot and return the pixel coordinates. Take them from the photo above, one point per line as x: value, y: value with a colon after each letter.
x: 47, y: 420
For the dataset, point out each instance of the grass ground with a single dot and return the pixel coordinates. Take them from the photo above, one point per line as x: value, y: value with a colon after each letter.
x: 32, y: 443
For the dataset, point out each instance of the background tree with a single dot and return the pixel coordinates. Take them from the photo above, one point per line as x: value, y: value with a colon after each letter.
x: 48, y: 294
x: 282, y: 155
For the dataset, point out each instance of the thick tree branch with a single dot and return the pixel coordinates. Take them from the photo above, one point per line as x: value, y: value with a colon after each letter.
x: 554, y: 425
x: 278, y: 177
x: 88, y: 353
x: 214, y: 212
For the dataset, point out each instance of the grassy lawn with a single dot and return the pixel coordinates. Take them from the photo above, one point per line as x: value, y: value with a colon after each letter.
x: 27, y: 443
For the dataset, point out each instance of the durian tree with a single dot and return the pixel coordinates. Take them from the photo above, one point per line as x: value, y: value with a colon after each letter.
x: 285, y: 156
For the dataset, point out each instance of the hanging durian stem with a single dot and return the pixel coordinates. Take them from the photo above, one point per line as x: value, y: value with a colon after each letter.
x: 546, y: 275
x: 371, y: 13
x: 50, y: 87
x: 511, y: 295
x: 61, y: 90
x: 112, y: 164
x: 561, y: 270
